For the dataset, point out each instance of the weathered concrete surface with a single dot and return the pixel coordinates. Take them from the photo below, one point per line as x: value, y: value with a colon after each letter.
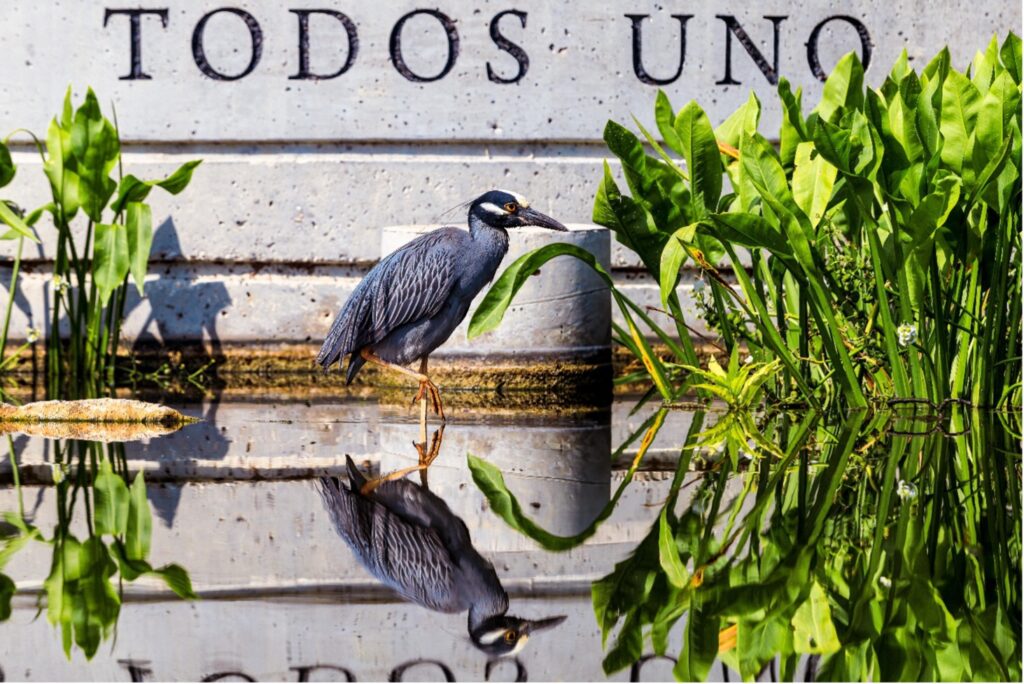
x: 580, y: 65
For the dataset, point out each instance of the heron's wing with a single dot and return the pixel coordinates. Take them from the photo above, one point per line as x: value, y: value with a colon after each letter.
x: 408, y: 285
x: 409, y: 558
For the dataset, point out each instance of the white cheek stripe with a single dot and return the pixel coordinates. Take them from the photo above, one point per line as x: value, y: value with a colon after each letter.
x: 493, y: 209
x: 491, y: 637
x: 520, y: 646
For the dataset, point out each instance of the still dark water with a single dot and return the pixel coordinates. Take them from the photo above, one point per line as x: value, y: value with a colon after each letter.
x: 882, y: 547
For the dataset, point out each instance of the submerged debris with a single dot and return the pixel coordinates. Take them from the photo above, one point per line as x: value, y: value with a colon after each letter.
x: 93, y: 411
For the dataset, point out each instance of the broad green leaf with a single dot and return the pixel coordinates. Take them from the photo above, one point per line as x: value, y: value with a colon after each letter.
x: 813, y: 629
x: 497, y: 300
x: 672, y: 258
x: 59, y: 168
x: 813, y: 179
x: 7, y: 168
x: 665, y: 118
x: 844, y: 87
x: 668, y: 554
x: 984, y: 66
x: 741, y: 122
x: 111, y: 501
x: 139, y: 228
x: 700, y: 149
x: 177, y: 580
x: 960, y: 100
x: 996, y: 108
x: 627, y: 586
x: 130, y: 189
x: 794, y: 128
x: 180, y: 179
x: 111, y: 260
x: 903, y: 124
x: 96, y: 148
x: 631, y: 223
x: 139, y: 528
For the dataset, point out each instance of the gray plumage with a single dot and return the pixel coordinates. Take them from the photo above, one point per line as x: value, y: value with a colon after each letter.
x: 413, y: 299
x: 411, y: 541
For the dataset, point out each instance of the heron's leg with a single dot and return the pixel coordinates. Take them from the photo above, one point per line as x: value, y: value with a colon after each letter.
x: 427, y: 458
x: 426, y: 384
x: 423, y: 411
x: 370, y: 485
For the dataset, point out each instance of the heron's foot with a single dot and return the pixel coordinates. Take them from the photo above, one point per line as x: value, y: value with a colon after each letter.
x: 427, y: 387
x: 427, y: 457
x: 371, y: 485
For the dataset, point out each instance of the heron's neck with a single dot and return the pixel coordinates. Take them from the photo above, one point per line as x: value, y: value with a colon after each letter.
x: 485, y: 233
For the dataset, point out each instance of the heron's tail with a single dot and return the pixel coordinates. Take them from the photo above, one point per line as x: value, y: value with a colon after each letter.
x: 355, y: 362
x: 356, y: 479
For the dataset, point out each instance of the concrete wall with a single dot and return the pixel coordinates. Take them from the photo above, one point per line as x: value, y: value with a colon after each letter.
x: 301, y: 174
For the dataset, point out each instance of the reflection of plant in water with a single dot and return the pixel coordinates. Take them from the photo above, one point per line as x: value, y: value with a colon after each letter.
x: 820, y: 551
x: 81, y: 594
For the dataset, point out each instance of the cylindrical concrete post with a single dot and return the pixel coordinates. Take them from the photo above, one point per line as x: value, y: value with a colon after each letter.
x: 563, y: 313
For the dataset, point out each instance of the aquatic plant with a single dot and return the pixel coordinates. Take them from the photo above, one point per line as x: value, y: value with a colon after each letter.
x: 90, y: 275
x: 883, y: 233
x: 83, y: 589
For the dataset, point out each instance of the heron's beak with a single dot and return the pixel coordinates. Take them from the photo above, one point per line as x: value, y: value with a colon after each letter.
x: 532, y: 217
x: 534, y: 626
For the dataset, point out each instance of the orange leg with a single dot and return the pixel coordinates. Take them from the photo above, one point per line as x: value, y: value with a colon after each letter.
x: 427, y: 387
x: 397, y: 475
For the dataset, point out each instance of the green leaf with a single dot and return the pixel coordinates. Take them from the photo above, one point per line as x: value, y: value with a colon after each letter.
x: 813, y: 179
x: 668, y: 554
x: 96, y: 148
x: 960, y: 100
x: 628, y: 647
x: 497, y: 300
x: 16, y: 223
x: 813, y: 630
x: 844, y: 87
x: 111, y: 260
x: 139, y: 228
x: 59, y: 168
x: 631, y: 223
x: 177, y: 580
x: 7, y: 168
x: 665, y: 118
x: 131, y: 189
x: 111, y: 501
x: 139, y: 527
x: 700, y: 149
x: 700, y: 646
x: 672, y: 258
x: 1010, y: 55
x: 180, y: 179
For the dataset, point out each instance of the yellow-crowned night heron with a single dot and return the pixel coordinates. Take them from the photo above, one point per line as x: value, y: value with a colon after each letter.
x: 410, y: 540
x: 410, y: 302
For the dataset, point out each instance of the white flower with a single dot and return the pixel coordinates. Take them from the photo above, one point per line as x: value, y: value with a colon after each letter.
x: 59, y: 284
x: 32, y: 335
x: 885, y: 582
x: 749, y: 360
x: 906, y: 490
x: 907, y: 334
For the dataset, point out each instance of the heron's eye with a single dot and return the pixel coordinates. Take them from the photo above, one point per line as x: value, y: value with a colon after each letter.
x: 511, y: 207
x: 510, y: 635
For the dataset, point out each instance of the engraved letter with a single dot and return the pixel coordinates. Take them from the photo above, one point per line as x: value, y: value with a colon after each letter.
x: 396, y: 46
x: 199, y: 54
x: 305, y: 74
x: 508, y: 46
x: 638, y: 64
x: 733, y: 27
x: 135, y: 27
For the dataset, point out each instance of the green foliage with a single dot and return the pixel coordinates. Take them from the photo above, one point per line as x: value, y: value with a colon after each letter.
x: 884, y: 207
x: 83, y: 593
x: 81, y: 155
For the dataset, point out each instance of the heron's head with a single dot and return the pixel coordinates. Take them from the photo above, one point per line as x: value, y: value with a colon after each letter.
x: 505, y: 635
x: 503, y: 209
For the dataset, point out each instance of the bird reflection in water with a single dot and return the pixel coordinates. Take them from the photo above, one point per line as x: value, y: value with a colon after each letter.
x: 410, y: 540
